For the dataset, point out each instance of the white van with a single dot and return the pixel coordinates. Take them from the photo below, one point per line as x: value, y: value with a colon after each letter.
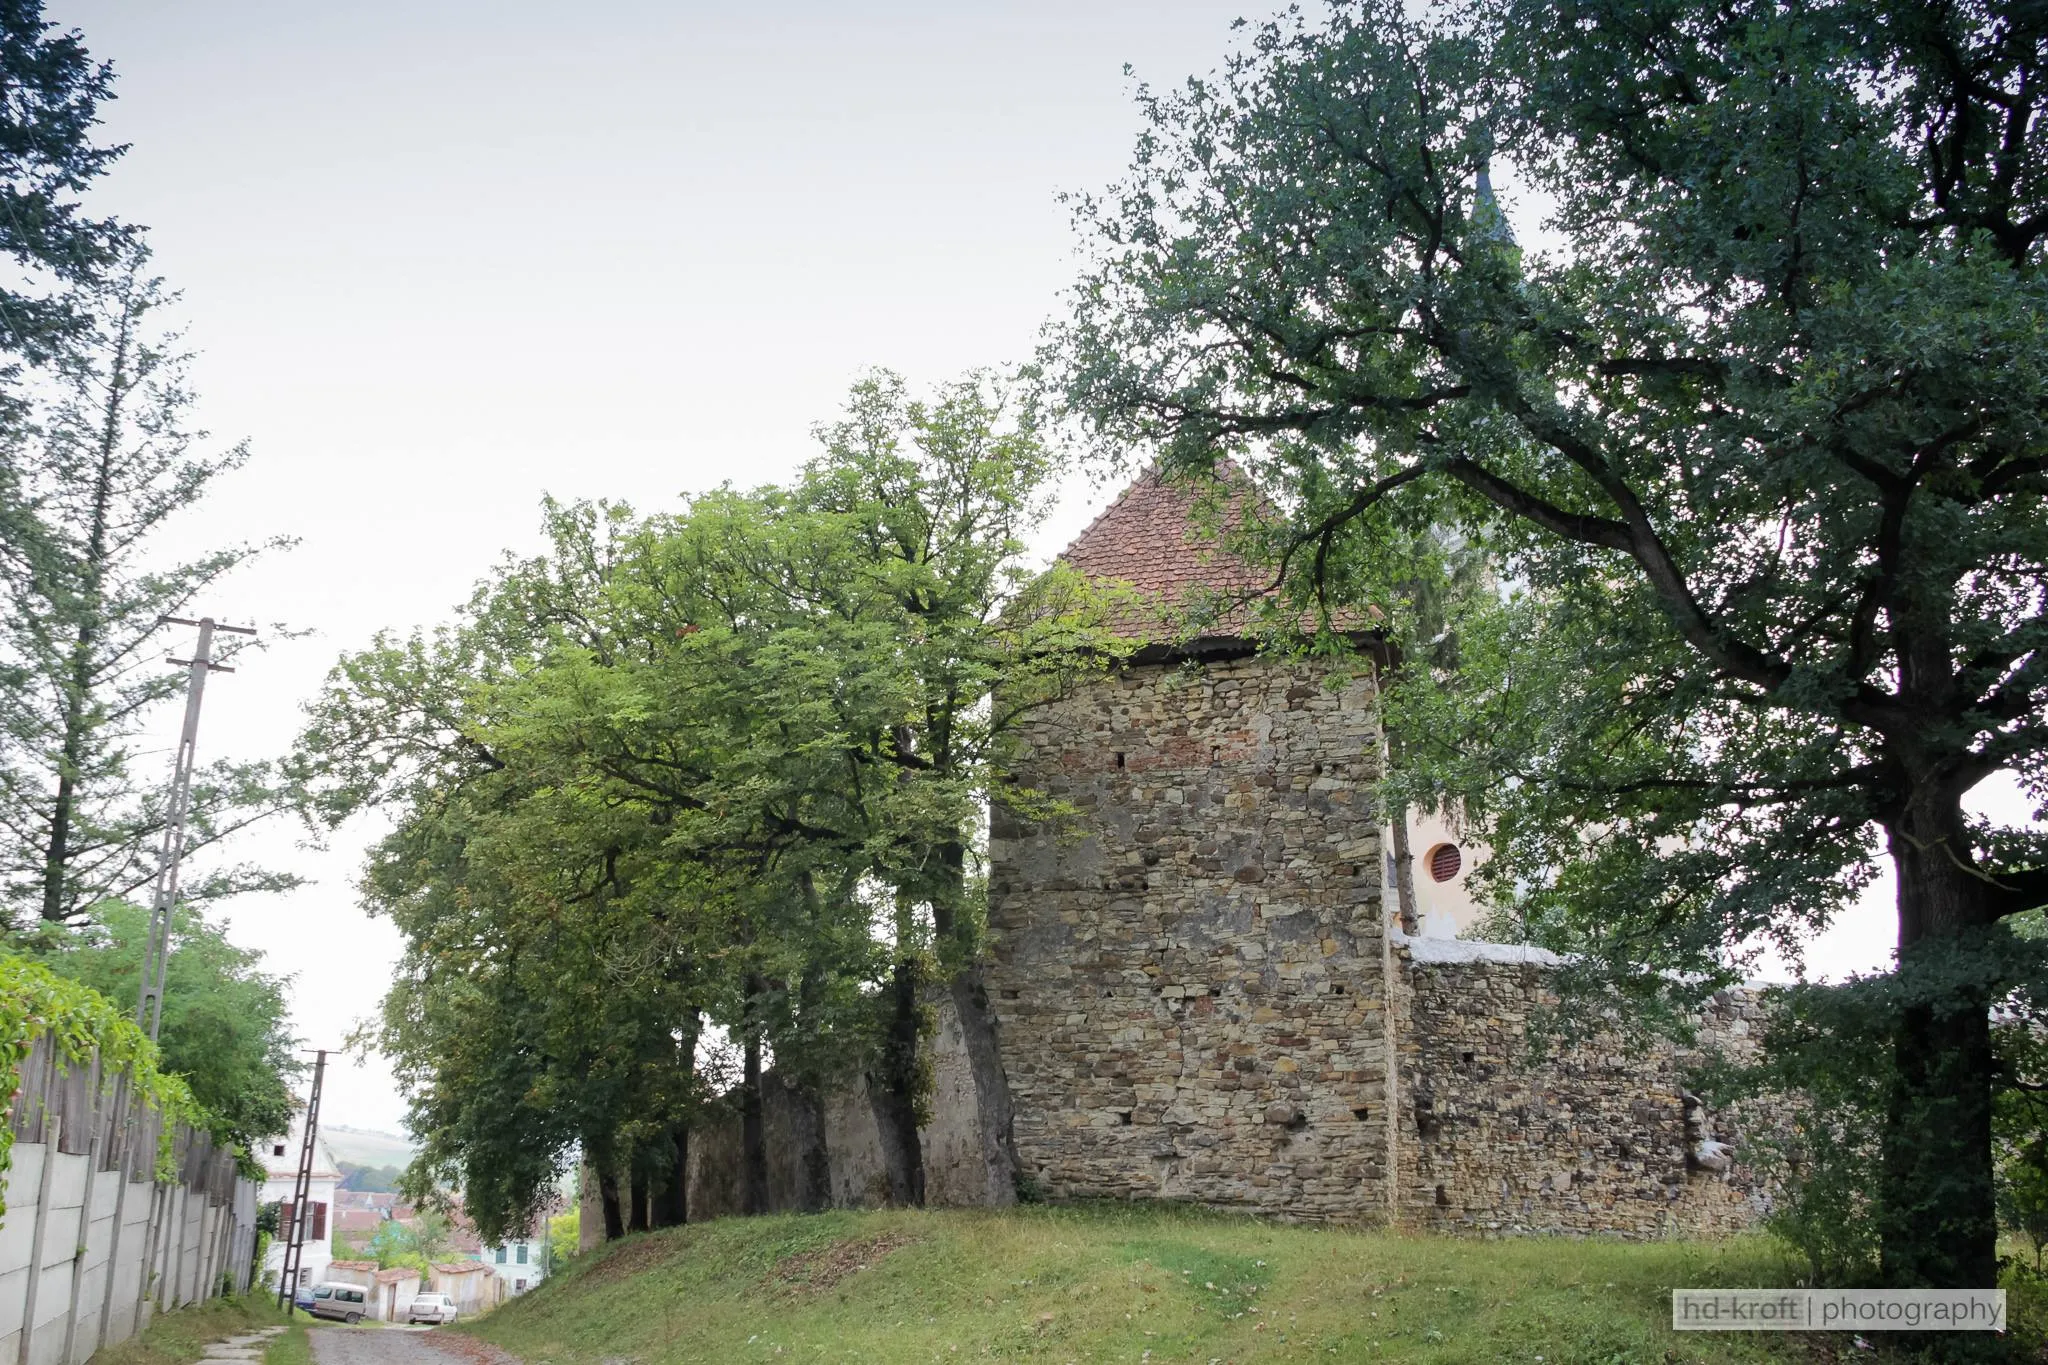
x: 346, y: 1302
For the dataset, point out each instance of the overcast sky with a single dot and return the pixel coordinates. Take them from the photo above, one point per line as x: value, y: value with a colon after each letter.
x: 442, y: 258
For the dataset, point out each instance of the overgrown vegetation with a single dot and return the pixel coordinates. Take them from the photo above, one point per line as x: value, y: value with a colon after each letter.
x: 35, y: 1002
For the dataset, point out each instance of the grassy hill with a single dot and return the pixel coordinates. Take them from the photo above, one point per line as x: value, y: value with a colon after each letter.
x: 1140, y: 1284
x: 367, y: 1146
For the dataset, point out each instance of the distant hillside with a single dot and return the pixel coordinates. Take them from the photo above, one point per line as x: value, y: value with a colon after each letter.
x: 367, y: 1146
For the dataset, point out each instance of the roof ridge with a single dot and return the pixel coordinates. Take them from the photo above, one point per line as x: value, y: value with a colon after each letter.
x: 1150, y: 470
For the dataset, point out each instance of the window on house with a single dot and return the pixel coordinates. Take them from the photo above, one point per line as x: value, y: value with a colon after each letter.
x: 1444, y: 862
x: 519, y: 1286
x: 501, y: 1255
x: 522, y: 1253
x: 277, y: 1149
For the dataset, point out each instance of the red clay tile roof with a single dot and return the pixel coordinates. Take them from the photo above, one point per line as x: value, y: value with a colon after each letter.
x: 1153, y: 540
x: 351, y: 1265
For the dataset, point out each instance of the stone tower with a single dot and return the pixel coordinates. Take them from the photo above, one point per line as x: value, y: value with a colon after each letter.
x: 1191, y: 973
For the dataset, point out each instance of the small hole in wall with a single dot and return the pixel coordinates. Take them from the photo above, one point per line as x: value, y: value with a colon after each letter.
x: 1010, y: 995
x: 1466, y: 1056
x: 1336, y: 988
x: 1361, y: 1114
x: 1123, y: 1117
x: 1443, y: 1200
x: 1119, y: 760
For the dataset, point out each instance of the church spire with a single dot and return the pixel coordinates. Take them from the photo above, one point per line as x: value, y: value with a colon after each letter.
x: 1486, y: 215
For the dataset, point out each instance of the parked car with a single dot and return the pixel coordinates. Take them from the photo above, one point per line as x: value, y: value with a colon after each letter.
x: 344, y: 1302
x: 431, y: 1308
x: 302, y: 1297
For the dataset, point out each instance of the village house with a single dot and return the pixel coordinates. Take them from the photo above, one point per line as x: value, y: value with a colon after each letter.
x: 518, y: 1263
x: 280, y: 1158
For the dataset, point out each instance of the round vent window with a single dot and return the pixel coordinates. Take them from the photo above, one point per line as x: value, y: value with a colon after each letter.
x: 1444, y: 862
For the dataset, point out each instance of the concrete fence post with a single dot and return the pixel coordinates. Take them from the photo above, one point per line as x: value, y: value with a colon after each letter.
x: 82, y: 1250
x: 36, y: 1240
x: 124, y: 1146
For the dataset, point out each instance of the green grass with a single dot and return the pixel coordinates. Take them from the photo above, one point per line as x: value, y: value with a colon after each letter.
x: 1113, y: 1283
x: 293, y: 1347
x: 175, y: 1338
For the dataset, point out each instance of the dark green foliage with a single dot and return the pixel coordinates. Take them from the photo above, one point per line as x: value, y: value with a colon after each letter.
x: 48, y: 158
x: 1753, y: 429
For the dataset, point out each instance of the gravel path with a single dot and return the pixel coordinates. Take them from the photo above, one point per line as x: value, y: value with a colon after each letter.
x: 401, y: 1346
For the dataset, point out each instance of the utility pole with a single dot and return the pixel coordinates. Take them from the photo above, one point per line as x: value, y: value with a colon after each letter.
x: 156, y: 955
x: 302, y: 1190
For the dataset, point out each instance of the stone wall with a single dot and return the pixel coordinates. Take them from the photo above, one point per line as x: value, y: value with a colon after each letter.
x: 852, y: 1137
x: 1593, y: 1138
x: 1189, y: 978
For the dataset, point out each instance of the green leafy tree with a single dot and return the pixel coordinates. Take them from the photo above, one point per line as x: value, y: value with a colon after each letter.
x: 1754, y: 423
x: 226, y: 1022
x: 86, y: 488
x: 926, y: 505
x: 564, y: 1234
x: 533, y: 1015
x: 672, y: 773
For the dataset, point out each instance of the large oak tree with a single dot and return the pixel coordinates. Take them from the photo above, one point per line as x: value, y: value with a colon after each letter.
x: 1756, y: 416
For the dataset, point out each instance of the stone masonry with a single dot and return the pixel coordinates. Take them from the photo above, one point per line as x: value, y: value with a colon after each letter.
x: 1597, y: 1138
x: 1190, y: 984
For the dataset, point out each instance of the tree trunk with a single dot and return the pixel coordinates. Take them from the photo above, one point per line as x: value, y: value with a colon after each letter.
x: 91, y: 606
x: 814, y: 1159
x: 673, y: 1208
x: 608, y: 1197
x: 672, y: 1200
x: 895, y: 1089
x: 1938, y: 1219
x: 753, y: 1136
x: 961, y: 952
x: 994, y: 1118
x: 1404, y: 870
x: 639, y: 1218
